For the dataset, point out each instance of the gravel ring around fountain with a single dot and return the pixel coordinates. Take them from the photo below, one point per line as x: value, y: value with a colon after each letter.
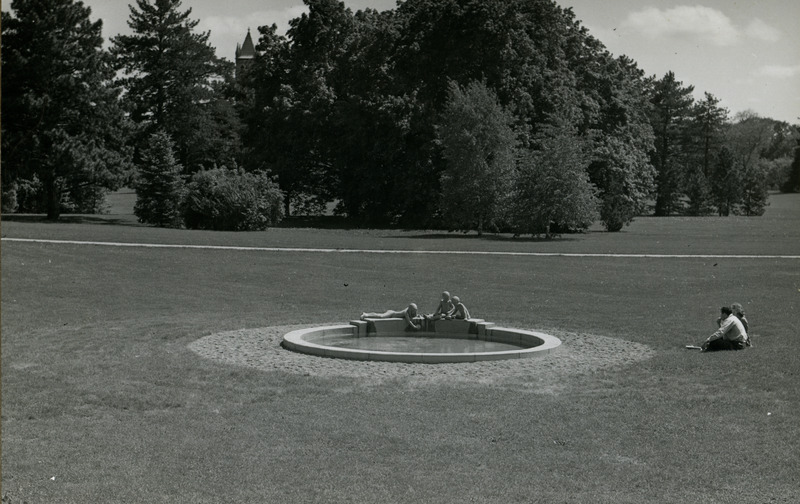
x: 578, y: 354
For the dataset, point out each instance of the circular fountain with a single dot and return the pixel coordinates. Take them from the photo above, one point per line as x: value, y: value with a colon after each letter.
x: 438, y: 341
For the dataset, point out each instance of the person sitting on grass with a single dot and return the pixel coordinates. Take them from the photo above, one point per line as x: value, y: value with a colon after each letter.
x: 731, y: 334
x: 445, y: 308
x: 460, y: 312
x: 407, y: 314
x: 738, y: 311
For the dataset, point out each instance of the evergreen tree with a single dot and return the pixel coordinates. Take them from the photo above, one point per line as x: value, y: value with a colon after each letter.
x: 61, y: 123
x: 698, y: 192
x: 726, y: 182
x: 478, y: 144
x: 670, y: 115
x: 708, y: 130
x: 705, y: 136
x: 173, y: 80
x: 753, y: 193
x: 159, y: 187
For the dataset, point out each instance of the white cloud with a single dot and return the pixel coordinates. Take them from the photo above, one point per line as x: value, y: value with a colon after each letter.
x: 684, y: 20
x: 779, y: 71
x: 759, y: 30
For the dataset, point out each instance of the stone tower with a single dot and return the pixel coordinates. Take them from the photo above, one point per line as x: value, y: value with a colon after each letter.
x: 244, y: 55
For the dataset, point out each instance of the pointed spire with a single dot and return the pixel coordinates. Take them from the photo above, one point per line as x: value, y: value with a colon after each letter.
x: 247, y: 49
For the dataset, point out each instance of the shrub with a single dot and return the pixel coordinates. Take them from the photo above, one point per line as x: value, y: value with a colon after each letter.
x: 10, y: 204
x: 83, y: 199
x: 27, y: 196
x: 30, y: 195
x: 232, y: 200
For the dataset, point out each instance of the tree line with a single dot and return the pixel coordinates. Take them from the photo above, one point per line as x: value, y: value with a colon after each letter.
x: 486, y: 115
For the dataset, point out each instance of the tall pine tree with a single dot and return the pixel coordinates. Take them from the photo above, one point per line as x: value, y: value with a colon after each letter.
x: 705, y: 136
x: 670, y: 116
x: 61, y: 123
x: 172, y: 77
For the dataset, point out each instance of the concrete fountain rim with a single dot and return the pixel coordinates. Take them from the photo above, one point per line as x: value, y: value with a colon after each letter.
x: 311, y: 340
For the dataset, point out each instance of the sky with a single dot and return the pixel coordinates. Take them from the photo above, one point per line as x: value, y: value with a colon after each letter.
x: 746, y: 53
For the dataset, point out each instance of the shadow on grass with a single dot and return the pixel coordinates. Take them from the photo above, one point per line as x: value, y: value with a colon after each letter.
x: 318, y: 222
x: 74, y: 219
x: 492, y: 237
x: 344, y: 223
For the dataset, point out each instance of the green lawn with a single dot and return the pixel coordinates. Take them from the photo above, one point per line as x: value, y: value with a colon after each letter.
x: 100, y: 391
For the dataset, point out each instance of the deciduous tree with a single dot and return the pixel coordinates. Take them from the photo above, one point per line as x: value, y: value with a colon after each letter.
x: 617, y: 122
x: 792, y: 184
x: 551, y: 186
x: 295, y: 95
x: 478, y: 143
x: 726, y: 182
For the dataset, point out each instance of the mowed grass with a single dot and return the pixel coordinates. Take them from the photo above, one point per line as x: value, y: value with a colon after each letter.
x: 103, y: 402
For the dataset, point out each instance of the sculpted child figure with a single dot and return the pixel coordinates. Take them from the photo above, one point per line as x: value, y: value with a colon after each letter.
x: 407, y: 314
x: 460, y: 312
x: 444, y: 309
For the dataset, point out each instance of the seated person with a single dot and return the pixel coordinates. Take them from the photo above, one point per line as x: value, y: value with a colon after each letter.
x: 731, y: 334
x: 407, y: 314
x: 460, y: 312
x: 738, y: 311
x: 445, y: 308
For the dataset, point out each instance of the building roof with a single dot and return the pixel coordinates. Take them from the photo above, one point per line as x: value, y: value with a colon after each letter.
x: 247, y: 50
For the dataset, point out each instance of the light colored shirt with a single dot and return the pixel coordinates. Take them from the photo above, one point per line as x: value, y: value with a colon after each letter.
x: 730, y: 329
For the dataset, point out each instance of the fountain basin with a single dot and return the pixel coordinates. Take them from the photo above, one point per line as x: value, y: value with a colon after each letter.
x: 439, y: 341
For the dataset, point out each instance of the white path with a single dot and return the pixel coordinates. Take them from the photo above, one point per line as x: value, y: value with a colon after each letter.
x: 396, y: 251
